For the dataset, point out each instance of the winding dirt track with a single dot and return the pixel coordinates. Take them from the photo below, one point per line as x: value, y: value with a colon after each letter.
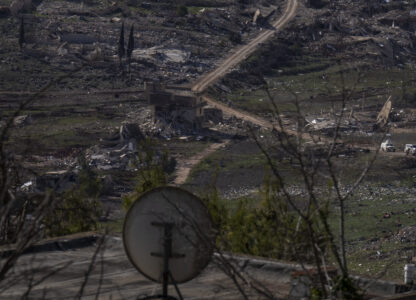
x: 242, y: 53
x: 185, y: 166
x: 237, y: 57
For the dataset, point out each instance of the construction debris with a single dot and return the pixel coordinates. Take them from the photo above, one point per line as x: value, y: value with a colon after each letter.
x: 22, y: 120
x: 212, y: 114
x: 117, y: 151
x: 329, y: 125
x: 158, y: 53
x: 383, y: 116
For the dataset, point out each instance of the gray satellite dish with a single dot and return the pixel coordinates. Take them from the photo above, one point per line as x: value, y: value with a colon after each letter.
x: 168, y: 236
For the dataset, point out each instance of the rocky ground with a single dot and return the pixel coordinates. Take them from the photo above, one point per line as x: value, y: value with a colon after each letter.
x: 174, y: 48
x: 376, y: 35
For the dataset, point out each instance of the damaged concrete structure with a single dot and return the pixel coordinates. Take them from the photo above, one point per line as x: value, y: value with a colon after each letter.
x: 181, y: 108
x: 212, y: 114
x: 383, y: 115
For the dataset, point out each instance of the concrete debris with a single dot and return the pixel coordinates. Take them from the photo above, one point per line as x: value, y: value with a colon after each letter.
x: 212, y: 114
x: 26, y: 186
x: 22, y: 120
x: 406, y: 234
x: 62, y: 50
x: 168, y: 47
x: 383, y: 116
x: 110, y: 159
x: 256, y: 16
x: 117, y: 151
x: 159, y: 53
x: 95, y: 55
x: 329, y: 125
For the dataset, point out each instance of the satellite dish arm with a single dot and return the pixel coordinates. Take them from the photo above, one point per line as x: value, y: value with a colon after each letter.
x: 167, y: 254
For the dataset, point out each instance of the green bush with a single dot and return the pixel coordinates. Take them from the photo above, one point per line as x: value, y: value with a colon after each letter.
x: 267, y: 228
x: 77, y: 210
x: 152, y: 170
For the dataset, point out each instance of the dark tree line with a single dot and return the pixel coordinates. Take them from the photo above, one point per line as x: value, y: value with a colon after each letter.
x: 130, y: 46
x: 21, y: 33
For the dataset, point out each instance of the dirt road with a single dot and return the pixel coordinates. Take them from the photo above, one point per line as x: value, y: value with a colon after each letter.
x: 185, y: 166
x: 239, y: 114
x: 237, y: 57
x: 243, y: 52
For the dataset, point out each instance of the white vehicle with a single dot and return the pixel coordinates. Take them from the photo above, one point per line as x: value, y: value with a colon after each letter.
x: 387, y: 146
x: 410, y: 149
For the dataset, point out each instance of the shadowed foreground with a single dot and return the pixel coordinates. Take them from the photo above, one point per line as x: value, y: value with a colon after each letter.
x: 113, y: 277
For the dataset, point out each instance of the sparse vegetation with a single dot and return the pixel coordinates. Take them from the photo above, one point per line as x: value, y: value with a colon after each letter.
x: 179, y: 43
x: 121, y: 50
x: 130, y: 46
x: 152, y: 171
x: 266, y: 227
x: 21, y: 33
x: 77, y: 210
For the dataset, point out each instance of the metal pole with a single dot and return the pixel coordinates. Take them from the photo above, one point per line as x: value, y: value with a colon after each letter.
x: 166, y: 255
x: 167, y: 243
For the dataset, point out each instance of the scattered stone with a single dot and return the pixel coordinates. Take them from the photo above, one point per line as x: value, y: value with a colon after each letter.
x: 22, y: 120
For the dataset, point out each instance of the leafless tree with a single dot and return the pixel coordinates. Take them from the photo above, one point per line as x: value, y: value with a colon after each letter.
x: 312, y: 209
x: 22, y: 217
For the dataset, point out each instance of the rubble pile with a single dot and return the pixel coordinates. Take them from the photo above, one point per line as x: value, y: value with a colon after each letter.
x: 118, y: 151
x: 63, y: 34
x: 407, y: 234
x: 328, y: 126
x: 382, y: 35
x: 344, y: 29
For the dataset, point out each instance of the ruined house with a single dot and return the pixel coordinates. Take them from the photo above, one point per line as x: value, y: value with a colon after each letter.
x: 212, y: 114
x: 181, y: 108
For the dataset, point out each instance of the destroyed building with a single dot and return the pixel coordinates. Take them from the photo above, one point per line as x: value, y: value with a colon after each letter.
x: 212, y: 114
x: 181, y: 108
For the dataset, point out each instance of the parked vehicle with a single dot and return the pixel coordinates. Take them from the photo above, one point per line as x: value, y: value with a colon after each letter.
x: 410, y: 149
x: 387, y: 146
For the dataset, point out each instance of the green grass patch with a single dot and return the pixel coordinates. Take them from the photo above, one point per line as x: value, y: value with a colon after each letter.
x: 195, y: 10
x: 373, y: 221
x: 317, y: 83
x: 226, y: 163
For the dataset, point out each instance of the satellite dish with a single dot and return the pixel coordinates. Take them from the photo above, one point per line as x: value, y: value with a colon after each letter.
x: 168, y: 236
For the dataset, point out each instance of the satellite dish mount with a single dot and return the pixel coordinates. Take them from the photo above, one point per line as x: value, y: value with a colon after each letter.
x: 166, y: 255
